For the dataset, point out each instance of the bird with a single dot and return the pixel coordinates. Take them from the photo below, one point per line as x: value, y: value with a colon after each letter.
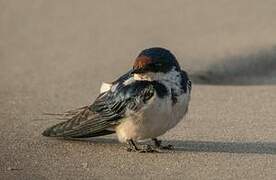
x: 142, y: 104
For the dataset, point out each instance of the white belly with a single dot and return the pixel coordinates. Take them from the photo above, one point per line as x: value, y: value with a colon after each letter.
x: 155, y: 119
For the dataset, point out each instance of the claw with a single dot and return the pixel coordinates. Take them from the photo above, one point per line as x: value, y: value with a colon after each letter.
x: 148, y: 149
x: 129, y: 149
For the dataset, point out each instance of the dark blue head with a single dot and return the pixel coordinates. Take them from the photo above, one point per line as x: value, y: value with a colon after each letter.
x: 155, y: 60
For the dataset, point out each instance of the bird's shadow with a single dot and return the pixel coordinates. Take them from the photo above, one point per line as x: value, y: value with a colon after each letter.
x: 225, y: 147
x: 207, y: 146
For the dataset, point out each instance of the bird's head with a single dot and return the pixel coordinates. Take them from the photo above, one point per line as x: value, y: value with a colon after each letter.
x: 154, y: 63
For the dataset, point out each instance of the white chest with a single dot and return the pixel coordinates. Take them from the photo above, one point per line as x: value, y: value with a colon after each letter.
x: 155, y: 119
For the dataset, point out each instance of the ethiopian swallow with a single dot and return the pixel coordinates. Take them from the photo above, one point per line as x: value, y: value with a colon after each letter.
x: 146, y: 102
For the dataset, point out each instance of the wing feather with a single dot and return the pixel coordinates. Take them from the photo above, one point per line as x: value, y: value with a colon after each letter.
x: 107, y: 110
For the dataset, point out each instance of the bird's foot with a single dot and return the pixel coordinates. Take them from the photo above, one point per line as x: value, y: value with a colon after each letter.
x: 145, y: 149
x: 158, y: 144
x: 148, y: 149
x: 132, y: 146
x: 129, y: 149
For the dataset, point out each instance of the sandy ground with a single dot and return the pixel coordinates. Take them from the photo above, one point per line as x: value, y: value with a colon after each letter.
x: 55, y: 54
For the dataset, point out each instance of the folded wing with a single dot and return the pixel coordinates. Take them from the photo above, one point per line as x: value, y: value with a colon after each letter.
x: 106, y: 112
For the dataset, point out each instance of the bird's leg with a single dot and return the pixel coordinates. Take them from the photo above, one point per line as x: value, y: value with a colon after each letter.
x: 131, y: 146
x: 145, y: 149
x: 158, y: 144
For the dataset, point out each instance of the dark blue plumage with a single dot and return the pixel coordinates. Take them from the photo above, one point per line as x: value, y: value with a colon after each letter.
x: 161, y: 55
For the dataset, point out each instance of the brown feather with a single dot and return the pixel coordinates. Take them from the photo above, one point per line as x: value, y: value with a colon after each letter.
x: 141, y: 61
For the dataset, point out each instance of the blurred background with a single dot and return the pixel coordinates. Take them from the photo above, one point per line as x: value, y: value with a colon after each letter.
x: 54, y: 54
x: 224, y: 41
